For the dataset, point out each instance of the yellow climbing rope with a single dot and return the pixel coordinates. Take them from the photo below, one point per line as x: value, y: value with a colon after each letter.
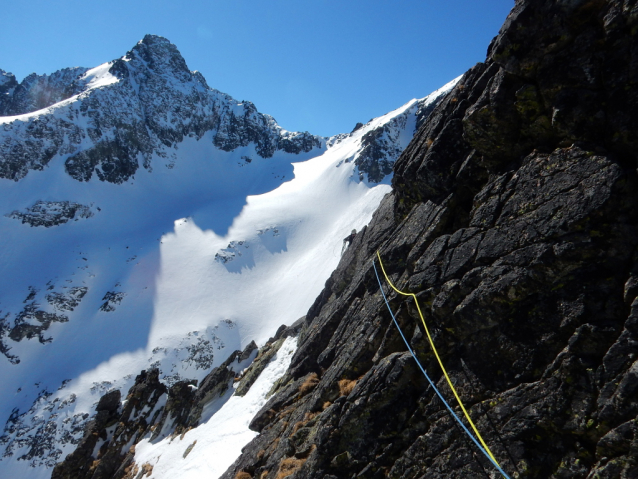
x: 467, y: 416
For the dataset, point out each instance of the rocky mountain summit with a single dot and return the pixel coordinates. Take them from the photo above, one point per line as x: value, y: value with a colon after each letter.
x: 112, y: 119
x: 513, y: 218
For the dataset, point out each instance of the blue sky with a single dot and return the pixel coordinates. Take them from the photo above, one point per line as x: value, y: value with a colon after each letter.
x: 315, y: 65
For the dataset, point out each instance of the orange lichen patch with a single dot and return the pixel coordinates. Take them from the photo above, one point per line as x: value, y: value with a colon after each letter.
x: 346, y: 386
x: 309, y: 384
x: 289, y: 466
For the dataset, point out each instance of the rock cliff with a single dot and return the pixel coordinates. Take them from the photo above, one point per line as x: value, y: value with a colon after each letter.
x: 513, y: 218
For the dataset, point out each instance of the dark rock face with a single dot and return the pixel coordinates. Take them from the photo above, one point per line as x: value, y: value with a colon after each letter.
x: 111, y: 300
x: 142, y: 105
x: 33, y: 322
x: 514, y: 219
x: 52, y: 213
x: 38, y: 91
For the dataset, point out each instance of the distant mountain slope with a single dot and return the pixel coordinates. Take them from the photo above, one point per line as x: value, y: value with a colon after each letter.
x: 114, y: 117
x: 148, y: 221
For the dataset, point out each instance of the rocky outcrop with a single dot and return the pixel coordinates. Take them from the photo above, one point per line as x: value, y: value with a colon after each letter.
x: 38, y: 91
x: 514, y: 220
x: 154, y: 411
x: 121, y: 114
x: 52, y: 213
x: 381, y: 146
x: 106, y: 446
x: 266, y: 353
x: 34, y: 320
x: 150, y: 410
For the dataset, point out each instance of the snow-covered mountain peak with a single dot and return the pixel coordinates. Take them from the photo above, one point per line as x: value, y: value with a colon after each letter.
x: 160, y: 55
x: 382, y: 139
x: 130, y: 113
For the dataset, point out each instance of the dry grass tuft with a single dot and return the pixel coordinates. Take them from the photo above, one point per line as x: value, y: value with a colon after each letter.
x: 346, y: 386
x: 309, y: 384
x: 326, y: 405
x: 243, y: 475
x: 306, y: 454
x: 263, y: 475
x: 289, y: 466
x: 310, y: 416
x: 261, y: 454
x: 94, y: 464
x: 428, y: 142
x: 273, y: 446
x: 298, y: 425
x: 131, y: 471
x: 147, y: 469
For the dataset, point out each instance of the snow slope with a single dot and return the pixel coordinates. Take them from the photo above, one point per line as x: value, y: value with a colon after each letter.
x: 175, y: 268
x: 216, y: 442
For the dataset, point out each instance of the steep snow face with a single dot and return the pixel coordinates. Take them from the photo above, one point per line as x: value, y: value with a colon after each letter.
x: 223, y: 235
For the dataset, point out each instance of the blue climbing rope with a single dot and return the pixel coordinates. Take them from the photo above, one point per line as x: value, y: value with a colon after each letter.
x: 431, y: 382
